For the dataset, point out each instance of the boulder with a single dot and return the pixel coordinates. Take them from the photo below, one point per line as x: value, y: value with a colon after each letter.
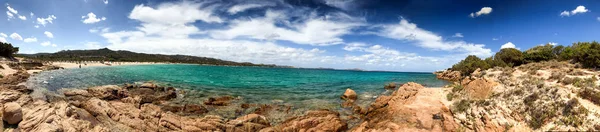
x: 12, y: 113
x: 194, y: 109
x: 149, y: 85
x: 248, y: 123
x: 391, y: 85
x: 349, y: 95
x: 449, y: 75
x: 108, y: 92
x: 411, y: 108
x: 479, y: 88
x: 312, y: 121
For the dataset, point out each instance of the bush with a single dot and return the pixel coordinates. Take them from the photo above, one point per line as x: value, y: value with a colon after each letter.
x: 557, y: 76
x: 457, y: 88
x: 509, y: 56
x: 450, y: 96
x: 588, y: 54
x: 591, y: 95
x: 469, y: 65
x: 461, y: 106
x: 7, y: 50
x: 539, y: 53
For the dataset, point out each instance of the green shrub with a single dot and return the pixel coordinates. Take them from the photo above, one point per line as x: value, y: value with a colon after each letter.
x: 509, y: 56
x: 591, y: 95
x: 457, y: 88
x: 461, y: 106
x: 450, y: 96
x: 539, y: 53
x: 557, y: 76
x: 469, y: 65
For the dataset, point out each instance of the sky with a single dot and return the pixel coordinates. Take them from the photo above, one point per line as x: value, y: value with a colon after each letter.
x: 410, y: 35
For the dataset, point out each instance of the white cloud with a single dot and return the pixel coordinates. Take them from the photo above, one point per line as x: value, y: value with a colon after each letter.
x: 410, y: 32
x: 105, y: 1
x: 508, y: 45
x: 49, y: 34
x: 16, y: 36
x: 3, y: 39
x: 342, y: 4
x: 175, y: 13
x: 3, y: 35
x: 47, y: 43
x: 483, y: 11
x: 91, y: 18
x: 243, y: 7
x: 9, y: 15
x: 598, y: 18
x: 578, y: 10
x: 553, y: 43
x: 458, y: 35
x: 495, y: 39
x: 92, y: 45
x: 37, y: 26
x: 23, y: 17
x: 44, y: 21
x: 313, y: 30
x: 29, y: 40
x: 11, y: 9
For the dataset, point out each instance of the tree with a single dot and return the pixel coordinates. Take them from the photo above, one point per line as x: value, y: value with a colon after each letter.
x: 495, y: 62
x: 7, y: 50
x: 509, y: 56
x: 469, y: 65
x: 539, y: 53
x: 566, y: 54
x: 588, y: 54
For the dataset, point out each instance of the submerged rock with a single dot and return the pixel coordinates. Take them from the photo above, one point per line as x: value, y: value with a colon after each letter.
x: 219, y: 101
x: 391, y: 85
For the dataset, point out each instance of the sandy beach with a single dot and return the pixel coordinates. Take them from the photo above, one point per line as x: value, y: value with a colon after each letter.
x: 68, y: 65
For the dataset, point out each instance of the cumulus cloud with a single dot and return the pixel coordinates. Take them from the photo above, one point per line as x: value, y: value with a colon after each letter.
x: 3, y: 39
x: 578, y: 10
x: 44, y: 21
x: 47, y: 43
x: 29, y: 40
x: 91, y: 18
x: 410, y: 32
x: 12, y: 10
x: 508, y: 45
x: 458, y: 35
x: 3, y: 35
x: 187, y: 12
x: 314, y: 30
x: 11, y: 13
x: 105, y: 1
x: 243, y: 7
x: 49, y: 34
x: 23, y: 17
x: 16, y: 36
x: 99, y: 29
x: 483, y: 11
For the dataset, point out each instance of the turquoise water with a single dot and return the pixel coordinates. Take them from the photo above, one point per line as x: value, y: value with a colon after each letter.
x: 253, y: 84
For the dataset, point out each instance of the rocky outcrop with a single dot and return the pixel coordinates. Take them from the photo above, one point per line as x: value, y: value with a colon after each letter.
x: 14, y: 79
x: 312, y: 121
x: 410, y: 108
x: 391, y: 85
x: 479, y: 88
x: 349, y: 98
x: 12, y: 113
x: 448, y: 75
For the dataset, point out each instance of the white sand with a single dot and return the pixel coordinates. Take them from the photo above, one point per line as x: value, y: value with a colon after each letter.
x: 68, y: 65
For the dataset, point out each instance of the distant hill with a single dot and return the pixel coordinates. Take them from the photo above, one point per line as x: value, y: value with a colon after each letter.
x: 106, y: 54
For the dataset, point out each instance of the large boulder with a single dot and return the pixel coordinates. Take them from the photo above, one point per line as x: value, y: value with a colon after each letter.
x: 313, y: 121
x: 349, y: 98
x: 108, y: 92
x: 479, y: 88
x: 248, y: 123
x: 391, y: 85
x: 411, y: 108
x: 448, y: 75
x: 12, y: 113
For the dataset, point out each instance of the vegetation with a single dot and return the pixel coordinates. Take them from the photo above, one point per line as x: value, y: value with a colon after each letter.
x: 7, y: 50
x: 462, y: 106
x: 127, y: 56
x: 585, y: 53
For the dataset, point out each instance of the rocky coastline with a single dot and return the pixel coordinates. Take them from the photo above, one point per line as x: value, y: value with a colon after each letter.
x: 150, y: 107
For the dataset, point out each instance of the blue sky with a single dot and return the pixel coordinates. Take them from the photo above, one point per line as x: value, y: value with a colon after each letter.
x: 412, y: 35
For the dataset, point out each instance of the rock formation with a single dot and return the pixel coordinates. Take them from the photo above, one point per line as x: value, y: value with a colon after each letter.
x: 448, y: 75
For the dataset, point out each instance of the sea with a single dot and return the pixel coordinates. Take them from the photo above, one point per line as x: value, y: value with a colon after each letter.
x: 301, y: 88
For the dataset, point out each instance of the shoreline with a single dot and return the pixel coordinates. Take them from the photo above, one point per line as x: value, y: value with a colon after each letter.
x: 70, y: 65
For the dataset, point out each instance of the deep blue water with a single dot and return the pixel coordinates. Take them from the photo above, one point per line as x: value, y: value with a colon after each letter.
x: 253, y: 84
